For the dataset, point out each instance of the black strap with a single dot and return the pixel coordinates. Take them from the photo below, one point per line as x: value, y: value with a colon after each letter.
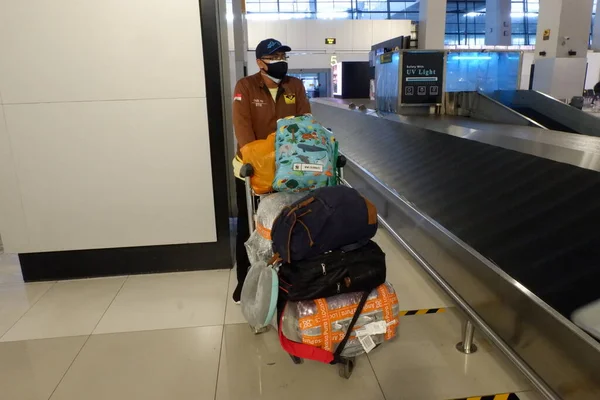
x: 354, y: 246
x: 340, y: 348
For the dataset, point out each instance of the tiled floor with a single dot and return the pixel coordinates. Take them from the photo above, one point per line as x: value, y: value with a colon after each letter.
x: 178, y: 336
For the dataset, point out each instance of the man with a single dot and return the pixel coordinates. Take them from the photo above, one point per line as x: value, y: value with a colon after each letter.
x: 259, y: 101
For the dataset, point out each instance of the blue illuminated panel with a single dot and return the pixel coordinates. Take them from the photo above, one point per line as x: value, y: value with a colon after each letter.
x: 482, y: 71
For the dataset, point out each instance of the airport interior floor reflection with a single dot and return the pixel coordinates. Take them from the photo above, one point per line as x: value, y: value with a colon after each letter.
x: 178, y: 336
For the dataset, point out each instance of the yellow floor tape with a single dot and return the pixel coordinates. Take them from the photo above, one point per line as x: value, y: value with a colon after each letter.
x: 504, y: 396
x: 423, y: 312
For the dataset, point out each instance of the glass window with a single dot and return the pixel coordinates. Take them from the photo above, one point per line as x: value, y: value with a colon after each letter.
x: 376, y: 15
x: 397, y: 7
x: 374, y: 5
x: 465, y: 19
x: 292, y: 6
x: 413, y: 16
x: 452, y: 28
x: 517, y: 7
x: 269, y: 7
x: 342, y: 6
x: 518, y: 28
x: 532, y: 39
x: 518, y: 39
x: 252, y: 7
x: 533, y: 6
x: 451, y: 6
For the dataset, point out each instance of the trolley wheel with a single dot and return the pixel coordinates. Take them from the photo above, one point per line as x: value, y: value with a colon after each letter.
x: 297, y: 360
x: 345, y: 369
x: 258, y: 331
x: 246, y: 171
x: 341, y: 161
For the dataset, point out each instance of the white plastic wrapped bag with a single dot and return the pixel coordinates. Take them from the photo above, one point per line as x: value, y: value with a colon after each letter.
x: 259, y: 246
x: 259, y: 295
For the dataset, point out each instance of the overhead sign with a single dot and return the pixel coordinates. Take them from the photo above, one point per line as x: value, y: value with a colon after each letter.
x: 422, y: 77
x: 330, y: 40
x: 385, y: 58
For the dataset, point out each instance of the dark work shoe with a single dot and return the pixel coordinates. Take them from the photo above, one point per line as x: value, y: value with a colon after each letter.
x: 237, y: 294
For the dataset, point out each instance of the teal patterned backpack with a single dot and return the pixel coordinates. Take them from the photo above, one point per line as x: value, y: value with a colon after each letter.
x: 305, y: 155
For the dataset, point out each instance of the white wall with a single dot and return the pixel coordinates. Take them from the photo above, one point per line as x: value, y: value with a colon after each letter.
x: 592, y: 76
x: 561, y: 78
x: 106, y: 137
x: 564, y: 18
x: 498, y: 22
x: 432, y: 24
x: 575, y: 21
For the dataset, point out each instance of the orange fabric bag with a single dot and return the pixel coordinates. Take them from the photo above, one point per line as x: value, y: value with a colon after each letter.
x: 261, y: 155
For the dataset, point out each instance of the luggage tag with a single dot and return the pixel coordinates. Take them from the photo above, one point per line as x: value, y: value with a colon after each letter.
x: 373, y: 328
x: 367, y: 343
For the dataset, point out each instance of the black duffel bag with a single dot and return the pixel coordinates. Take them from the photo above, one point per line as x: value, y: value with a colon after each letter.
x: 353, y: 270
x: 327, y: 219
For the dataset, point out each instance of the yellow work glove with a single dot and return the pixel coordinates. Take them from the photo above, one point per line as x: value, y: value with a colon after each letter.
x: 237, y: 166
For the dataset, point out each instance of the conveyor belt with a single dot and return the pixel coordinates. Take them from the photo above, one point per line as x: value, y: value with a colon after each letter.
x: 535, y: 218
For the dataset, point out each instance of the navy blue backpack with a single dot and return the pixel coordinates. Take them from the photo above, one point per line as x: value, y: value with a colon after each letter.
x: 329, y: 218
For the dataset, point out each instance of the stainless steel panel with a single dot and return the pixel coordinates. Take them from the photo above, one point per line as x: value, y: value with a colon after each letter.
x: 578, y: 150
x: 566, y: 115
x: 479, y: 106
x: 559, y: 358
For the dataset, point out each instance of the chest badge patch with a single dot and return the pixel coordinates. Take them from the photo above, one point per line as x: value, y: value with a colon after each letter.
x: 290, y: 98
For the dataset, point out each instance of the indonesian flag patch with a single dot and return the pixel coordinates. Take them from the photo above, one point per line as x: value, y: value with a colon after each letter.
x: 237, y: 97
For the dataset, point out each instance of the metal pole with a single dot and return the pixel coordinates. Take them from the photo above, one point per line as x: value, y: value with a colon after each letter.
x: 240, y: 38
x: 467, y: 346
x: 250, y: 204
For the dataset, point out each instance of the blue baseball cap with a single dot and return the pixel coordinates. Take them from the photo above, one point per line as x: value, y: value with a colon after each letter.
x: 270, y: 46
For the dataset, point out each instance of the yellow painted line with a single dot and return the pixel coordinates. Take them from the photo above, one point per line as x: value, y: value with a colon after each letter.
x: 503, y: 396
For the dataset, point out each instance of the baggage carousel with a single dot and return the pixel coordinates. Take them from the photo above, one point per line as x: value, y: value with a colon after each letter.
x: 505, y: 218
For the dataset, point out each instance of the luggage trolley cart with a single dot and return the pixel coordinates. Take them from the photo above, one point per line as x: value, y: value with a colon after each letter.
x: 345, y: 365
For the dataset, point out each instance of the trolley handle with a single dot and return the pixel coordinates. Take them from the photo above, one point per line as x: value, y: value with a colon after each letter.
x: 246, y: 171
x: 341, y: 161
